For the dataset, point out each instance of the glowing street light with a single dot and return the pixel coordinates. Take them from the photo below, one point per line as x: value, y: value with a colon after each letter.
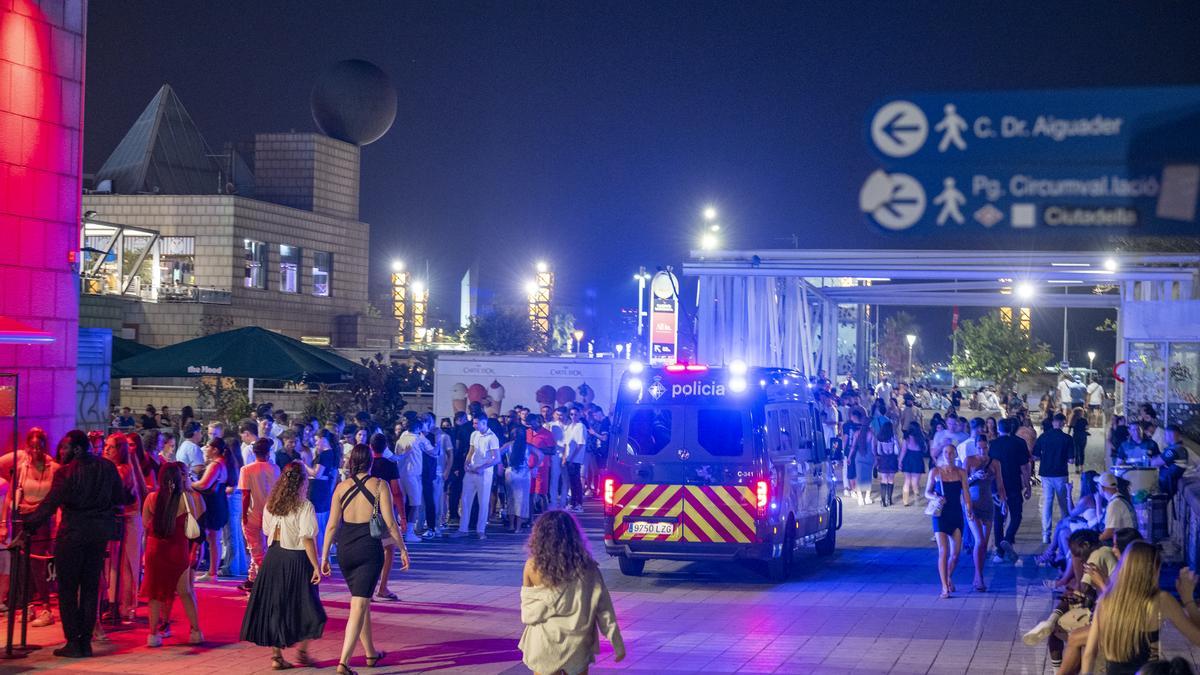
x: 709, y: 241
x: 578, y: 335
x: 1110, y: 264
x: 912, y: 340
x: 643, y: 278
x: 1025, y: 290
x: 710, y: 213
x: 1091, y: 357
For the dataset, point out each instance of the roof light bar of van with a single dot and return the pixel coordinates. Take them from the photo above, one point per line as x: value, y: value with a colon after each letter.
x: 636, y: 367
x: 676, y: 368
x: 738, y: 367
x: 696, y: 368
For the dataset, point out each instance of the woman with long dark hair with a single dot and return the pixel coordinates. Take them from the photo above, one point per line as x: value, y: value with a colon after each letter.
x: 360, y: 554
x: 887, y: 461
x: 211, y: 487
x: 147, y: 464
x: 516, y: 477
x: 285, y: 605
x: 912, y: 462
x: 168, y: 550
x: 35, y: 471
x: 1079, y: 435
x: 565, y: 605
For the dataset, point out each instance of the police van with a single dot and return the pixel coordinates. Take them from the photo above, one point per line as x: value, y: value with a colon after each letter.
x: 717, y: 463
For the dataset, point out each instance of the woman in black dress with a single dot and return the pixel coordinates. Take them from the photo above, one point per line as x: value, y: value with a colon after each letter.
x: 948, y: 482
x: 285, y: 606
x: 360, y: 555
x: 211, y: 487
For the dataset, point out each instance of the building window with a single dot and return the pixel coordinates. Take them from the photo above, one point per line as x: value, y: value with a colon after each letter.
x: 256, y: 264
x: 289, y: 268
x: 322, y: 272
x: 177, y: 261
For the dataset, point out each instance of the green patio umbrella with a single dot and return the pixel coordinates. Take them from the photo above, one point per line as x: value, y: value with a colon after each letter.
x: 123, y: 348
x: 245, y: 352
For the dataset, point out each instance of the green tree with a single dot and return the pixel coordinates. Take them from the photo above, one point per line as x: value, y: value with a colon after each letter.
x: 893, y: 345
x: 378, y: 390
x: 501, y: 331
x: 991, y: 349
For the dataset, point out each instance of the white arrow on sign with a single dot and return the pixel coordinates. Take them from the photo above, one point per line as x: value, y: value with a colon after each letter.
x: 899, y: 129
x: 895, y: 201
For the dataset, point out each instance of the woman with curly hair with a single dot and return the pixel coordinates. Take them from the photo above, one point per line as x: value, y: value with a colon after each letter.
x: 285, y: 605
x: 564, y: 602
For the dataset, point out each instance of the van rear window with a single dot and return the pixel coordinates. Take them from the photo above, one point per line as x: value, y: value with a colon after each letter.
x: 719, y: 431
x: 649, y: 430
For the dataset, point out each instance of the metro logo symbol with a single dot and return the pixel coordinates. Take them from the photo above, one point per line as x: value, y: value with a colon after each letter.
x: 697, y: 388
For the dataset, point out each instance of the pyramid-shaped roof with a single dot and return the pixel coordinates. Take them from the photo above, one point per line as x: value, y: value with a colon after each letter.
x: 163, y: 153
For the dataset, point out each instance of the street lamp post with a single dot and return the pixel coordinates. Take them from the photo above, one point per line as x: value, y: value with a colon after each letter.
x: 578, y: 335
x: 1091, y: 358
x: 912, y: 339
x: 642, y: 277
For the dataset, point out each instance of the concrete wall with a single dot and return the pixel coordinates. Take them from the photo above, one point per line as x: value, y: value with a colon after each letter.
x: 41, y: 124
x: 308, y: 171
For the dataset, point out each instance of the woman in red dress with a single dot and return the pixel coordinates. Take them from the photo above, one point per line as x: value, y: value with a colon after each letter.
x: 168, y: 550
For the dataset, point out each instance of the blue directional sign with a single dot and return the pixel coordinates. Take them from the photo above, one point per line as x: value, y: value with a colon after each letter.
x: 1022, y: 128
x: 1082, y: 197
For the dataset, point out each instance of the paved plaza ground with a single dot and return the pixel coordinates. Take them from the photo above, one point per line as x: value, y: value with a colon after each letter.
x: 871, y: 608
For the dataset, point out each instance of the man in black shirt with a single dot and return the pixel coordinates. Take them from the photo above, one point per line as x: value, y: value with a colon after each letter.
x: 462, y: 445
x: 1054, y: 449
x: 88, y: 489
x: 1013, y: 455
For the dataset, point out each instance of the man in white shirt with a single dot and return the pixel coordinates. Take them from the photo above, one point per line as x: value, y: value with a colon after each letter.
x: 410, y: 447
x: 573, y: 438
x: 951, y: 435
x: 1118, y: 512
x: 477, y: 476
x: 1064, y: 395
x: 967, y: 448
x: 189, y: 451
x: 255, y: 482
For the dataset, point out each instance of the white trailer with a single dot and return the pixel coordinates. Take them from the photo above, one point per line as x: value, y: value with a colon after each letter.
x: 501, y: 381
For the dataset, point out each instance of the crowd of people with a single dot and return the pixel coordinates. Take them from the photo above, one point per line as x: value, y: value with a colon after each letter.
x: 162, y: 502
x: 978, y: 474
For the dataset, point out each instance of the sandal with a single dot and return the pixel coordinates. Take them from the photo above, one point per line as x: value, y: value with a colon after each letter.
x: 387, y: 596
x: 944, y: 595
x: 277, y: 663
x: 343, y: 669
x: 303, y: 658
x: 372, y: 660
x: 981, y: 588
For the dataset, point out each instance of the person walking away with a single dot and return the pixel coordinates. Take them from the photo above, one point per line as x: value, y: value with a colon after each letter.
x: 322, y: 476
x: 540, y: 442
x: 860, y: 454
x: 477, y: 480
x: 411, y: 447
x: 912, y: 462
x: 1064, y: 395
x: 565, y: 605
x: 124, y: 565
x: 1095, y: 403
x: 1078, y: 425
x: 255, y: 482
x: 1013, y: 455
x: 462, y: 445
x: 88, y: 489
x: 1053, y: 450
x: 887, y: 461
x: 516, y: 479
x: 360, y: 555
x: 211, y: 488
x: 386, y: 470
x: 983, y: 481
x: 168, y: 551
x: 35, y: 471
x: 1129, y: 614
x: 285, y: 606
x: 948, y: 484
x: 910, y: 413
x: 574, y: 438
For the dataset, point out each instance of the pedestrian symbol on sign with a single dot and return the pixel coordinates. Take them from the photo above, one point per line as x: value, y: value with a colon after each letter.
x: 894, y: 201
x: 950, y: 200
x: 952, y: 126
x: 899, y: 129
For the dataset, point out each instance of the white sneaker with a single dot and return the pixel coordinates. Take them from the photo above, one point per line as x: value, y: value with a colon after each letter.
x: 195, y: 637
x: 412, y: 538
x: 153, y: 640
x: 44, y: 618
x: 205, y: 578
x: 1039, y: 632
x: 481, y: 535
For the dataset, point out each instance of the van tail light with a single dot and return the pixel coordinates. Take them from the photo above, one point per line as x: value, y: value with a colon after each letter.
x: 762, y: 496
x: 610, y: 489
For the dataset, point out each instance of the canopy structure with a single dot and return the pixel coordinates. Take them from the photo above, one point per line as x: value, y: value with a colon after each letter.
x: 253, y: 353
x: 123, y: 349
x: 781, y: 307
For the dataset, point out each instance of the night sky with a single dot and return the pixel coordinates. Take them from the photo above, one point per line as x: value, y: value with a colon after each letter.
x: 591, y: 134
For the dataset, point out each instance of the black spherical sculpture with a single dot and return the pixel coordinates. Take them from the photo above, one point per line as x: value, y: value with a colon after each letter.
x: 354, y: 101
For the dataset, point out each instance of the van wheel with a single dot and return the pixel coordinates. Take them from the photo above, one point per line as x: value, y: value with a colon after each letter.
x: 778, y: 569
x: 631, y: 567
x: 824, y: 547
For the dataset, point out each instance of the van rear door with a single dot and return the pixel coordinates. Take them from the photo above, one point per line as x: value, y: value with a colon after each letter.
x: 650, y: 507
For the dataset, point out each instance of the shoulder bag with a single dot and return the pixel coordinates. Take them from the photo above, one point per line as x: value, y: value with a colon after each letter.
x: 934, y: 507
x: 378, y: 526
x: 192, y: 528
